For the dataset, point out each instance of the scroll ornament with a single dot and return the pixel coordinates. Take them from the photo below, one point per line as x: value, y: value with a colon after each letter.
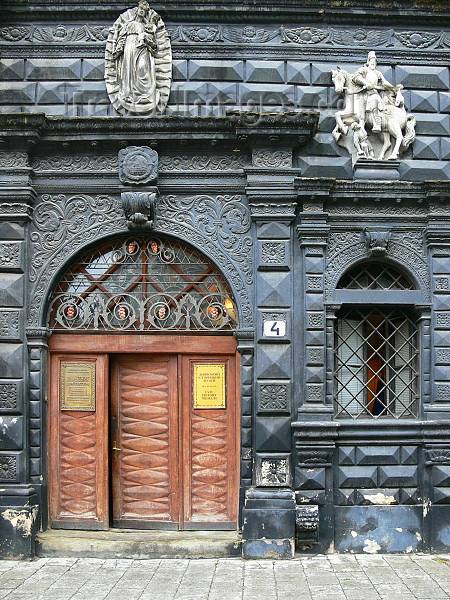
x: 138, y: 62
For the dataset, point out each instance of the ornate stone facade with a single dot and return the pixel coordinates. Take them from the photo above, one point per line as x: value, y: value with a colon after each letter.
x: 307, y: 164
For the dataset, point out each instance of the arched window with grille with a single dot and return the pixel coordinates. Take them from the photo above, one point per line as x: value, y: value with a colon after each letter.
x: 143, y: 284
x: 376, y: 344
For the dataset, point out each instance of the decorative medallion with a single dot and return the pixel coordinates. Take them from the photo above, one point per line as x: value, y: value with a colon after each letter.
x: 138, y: 62
x: 138, y: 165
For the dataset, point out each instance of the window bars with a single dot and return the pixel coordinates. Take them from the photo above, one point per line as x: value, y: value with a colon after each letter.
x: 143, y: 284
x: 376, y: 364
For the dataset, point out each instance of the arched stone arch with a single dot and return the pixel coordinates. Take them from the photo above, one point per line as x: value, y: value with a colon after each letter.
x: 64, y: 226
x: 347, y: 249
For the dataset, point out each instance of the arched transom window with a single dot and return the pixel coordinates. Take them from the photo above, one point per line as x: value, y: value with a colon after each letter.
x: 143, y: 284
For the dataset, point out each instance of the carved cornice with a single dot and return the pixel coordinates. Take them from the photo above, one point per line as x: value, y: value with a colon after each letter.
x: 291, y: 128
x: 283, y: 51
x: 400, y: 11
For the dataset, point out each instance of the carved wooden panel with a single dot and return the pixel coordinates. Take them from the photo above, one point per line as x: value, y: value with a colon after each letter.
x: 209, y: 465
x: 78, y: 468
x: 144, y: 428
x: 210, y: 451
x: 78, y: 453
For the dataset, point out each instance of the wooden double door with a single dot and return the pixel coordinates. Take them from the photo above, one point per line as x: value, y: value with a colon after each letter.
x: 157, y: 452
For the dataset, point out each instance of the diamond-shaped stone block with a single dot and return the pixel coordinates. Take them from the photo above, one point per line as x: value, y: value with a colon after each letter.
x: 265, y: 70
x: 273, y: 434
x: 273, y: 231
x: 311, y: 96
x: 347, y: 455
x: 444, y: 102
x: 310, y: 479
x: 93, y: 69
x: 12, y: 68
x: 445, y: 148
x: 441, y: 495
x: 11, y: 290
x: 266, y: 94
x: 314, y: 264
x: 298, y: 72
x: 398, y: 476
x: 53, y: 93
x: 47, y: 69
x: 314, y: 166
x: 216, y: 70
x: 409, y: 496
x: 409, y: 455
x: 89, y: 92
x: 426, y: 147
x: 344, y: 497
x: 11, y: 433
x: 441, y: 476
x: 419, y: 170
x: 432, y: 124
x: 11, y: 360
x: 273, y: 361
x: 357, y: 477
x: 274, y: 289
x: 20, y: 92
x: 377, y: 455
x: 423, y: 77
x: 423, y: 101
x: 179, y: 70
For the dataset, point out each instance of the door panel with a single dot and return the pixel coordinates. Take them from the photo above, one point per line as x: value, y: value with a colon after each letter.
x: 144, y: 431
x: 210, y: 450
x: 78, y: 459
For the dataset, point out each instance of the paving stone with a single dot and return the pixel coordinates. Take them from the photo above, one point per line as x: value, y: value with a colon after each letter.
x: 335, y: 577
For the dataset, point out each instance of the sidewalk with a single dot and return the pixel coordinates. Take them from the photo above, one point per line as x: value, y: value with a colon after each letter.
x: 333, y: 577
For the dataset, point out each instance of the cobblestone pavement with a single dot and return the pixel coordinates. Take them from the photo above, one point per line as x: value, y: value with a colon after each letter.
x: 333, y: 577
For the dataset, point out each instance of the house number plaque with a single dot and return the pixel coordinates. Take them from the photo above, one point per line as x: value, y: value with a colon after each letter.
x: 209, y: 386
x: 77, y: 386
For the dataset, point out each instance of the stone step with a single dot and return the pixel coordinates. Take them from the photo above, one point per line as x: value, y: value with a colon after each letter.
x: 126, y: 543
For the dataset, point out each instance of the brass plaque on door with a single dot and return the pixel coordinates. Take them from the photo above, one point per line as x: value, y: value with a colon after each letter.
x: 209, y: 385
x: 77, y: 386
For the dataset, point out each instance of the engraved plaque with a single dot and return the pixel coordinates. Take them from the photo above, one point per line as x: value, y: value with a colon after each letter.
x: 77, y: 387
x: 209, y: 385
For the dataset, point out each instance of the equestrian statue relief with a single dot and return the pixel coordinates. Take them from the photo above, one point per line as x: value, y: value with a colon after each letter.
x: 374, y: 119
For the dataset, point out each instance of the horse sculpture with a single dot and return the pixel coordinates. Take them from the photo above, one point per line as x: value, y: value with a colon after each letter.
x: 395, y: 121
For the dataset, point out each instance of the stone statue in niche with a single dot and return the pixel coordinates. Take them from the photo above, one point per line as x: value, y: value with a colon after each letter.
x: 378, y: 109
x: 138, y: 62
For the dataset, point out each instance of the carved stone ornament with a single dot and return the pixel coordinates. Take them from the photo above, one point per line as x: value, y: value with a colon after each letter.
x: 373, y: 123
x: 139, y: 208
x: 307, y: 523
x: 377, y: 242
x: 138, y: 62
x: 138, y: 165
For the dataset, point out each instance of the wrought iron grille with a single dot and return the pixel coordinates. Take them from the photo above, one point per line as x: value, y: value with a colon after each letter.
x: 143, y: 284
x: 376, y: 364
x: 374, y: 276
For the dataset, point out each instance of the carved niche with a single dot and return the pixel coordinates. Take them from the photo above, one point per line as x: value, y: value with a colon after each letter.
x: 138, y: 62
x: 373, y: 123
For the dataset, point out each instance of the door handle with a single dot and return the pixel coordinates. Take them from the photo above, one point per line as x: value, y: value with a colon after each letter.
x: 117, y: 449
